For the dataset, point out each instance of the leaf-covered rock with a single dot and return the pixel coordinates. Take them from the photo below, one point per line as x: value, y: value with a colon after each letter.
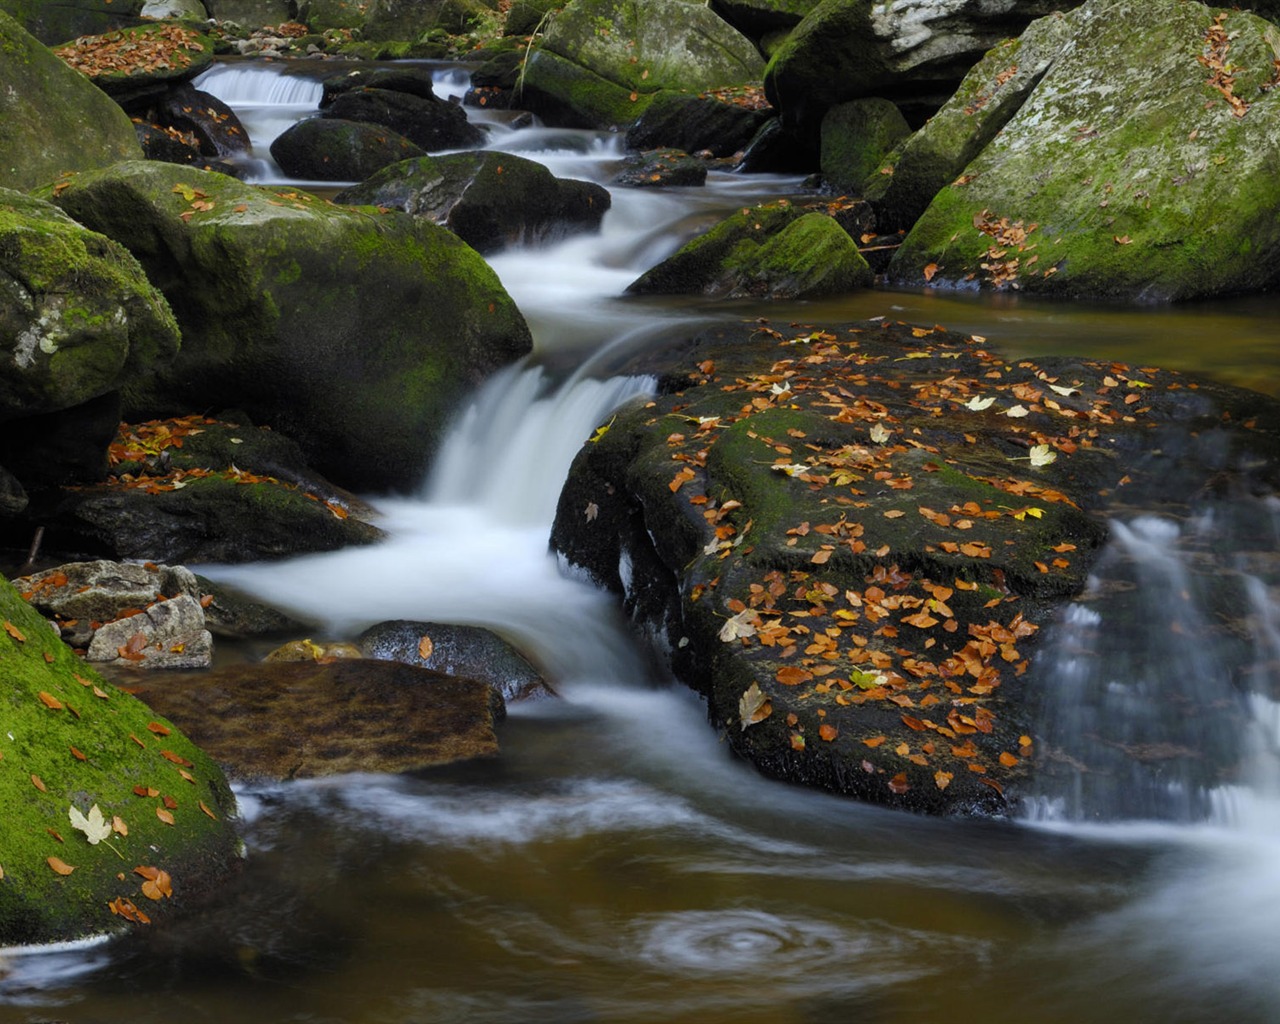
x: 601, y: 61
x: 73, y: 740
x: 1138, y: 167
x: 852, y: 535
x: 356, y: 333
x: 131, y: 61
x: 51, y: 119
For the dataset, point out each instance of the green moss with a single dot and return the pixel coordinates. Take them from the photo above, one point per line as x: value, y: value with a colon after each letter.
x: 55, y: 706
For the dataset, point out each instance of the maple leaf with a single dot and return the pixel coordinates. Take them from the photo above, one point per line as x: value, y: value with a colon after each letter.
x: 879, y: 434
x: 95, y: 827
x: 753, y: 706
x: 740, y: 625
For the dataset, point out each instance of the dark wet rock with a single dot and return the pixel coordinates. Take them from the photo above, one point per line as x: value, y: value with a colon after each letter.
x: 282, y: 298
x: 661, y: 168
x: 231, y: 615
x: 214, y: 125
x: 524, y: 17
x: 413, y: 81
x: 323, y: 149
x: 56, y: 706
x: 695, y: 123
x: 13, y: 497
x: 777, y: 149
x: 851, y: 535
x: 771, y: 251
x: 760, y: 18
x: 62, y: 448
x: 488, y: 199
x: 455, y: 650
x: 306, y: 719
x: 169, y: 145
x: 428, y: 122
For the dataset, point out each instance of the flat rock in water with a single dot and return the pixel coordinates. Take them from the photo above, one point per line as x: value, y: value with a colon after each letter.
x: 305, y: 719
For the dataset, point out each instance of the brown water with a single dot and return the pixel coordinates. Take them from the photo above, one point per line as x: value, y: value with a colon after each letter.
x: 614, y: 864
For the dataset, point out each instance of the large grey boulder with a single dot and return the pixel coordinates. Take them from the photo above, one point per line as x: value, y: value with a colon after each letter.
x: 356, y: 335
x: 914, y: 52
x: 600, y: 61
x: 1140, y: 167
x: 52, y: 119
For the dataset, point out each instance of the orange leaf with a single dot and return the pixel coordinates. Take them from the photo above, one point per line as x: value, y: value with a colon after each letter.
x: 874, y: 741
x: 39, y: 783
x: 206, y: 810
x: 158, y: 729
x: 50, y: 701
x: 942, y: 779
x: 14, y: 632
x: 828, y: 732
x: 1008, y: 760
x: 164, y: 815
x: 59, y: 866
x: 145, y: 791
x: 929, y: 270
x: 78, y: 755
x: 898, y: 784
x: 425, y: 647
x: 169, y: 755
x: 793, y: 675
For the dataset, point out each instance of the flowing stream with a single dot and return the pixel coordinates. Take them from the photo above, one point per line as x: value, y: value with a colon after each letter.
x: 615, y: 864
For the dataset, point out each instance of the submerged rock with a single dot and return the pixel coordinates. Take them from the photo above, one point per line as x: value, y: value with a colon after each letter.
x: 295, y: 720
x: 852, y: 535
x: 1137, y: 168
x: 471, y: 651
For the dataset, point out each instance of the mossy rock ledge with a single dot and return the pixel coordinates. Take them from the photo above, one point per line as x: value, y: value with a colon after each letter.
x: 1140, y: 167
x: 355, y: 332
x: 72, y: 740
x: 851, y: 536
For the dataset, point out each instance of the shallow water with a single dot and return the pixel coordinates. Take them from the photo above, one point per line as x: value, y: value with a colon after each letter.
x: 615, y: 864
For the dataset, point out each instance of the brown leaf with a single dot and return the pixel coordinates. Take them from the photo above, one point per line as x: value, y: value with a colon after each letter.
x: 158, y: 729
x: 898, y: 784
x: 169, y: 755
x: 206, y: 810
x: 164, y: 815
x: 39, y: 783
x: 1007, y: 759
x: 942, y: 779
x: 78, y: 754
x: 59, y: 866
x: 14, y: 632
x: 793, y: 675
x: 828, y: 732
x: 425, y: 647
x: 50, y: 701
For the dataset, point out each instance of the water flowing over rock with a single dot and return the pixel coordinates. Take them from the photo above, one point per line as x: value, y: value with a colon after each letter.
x: 429, y: 122
x: 296, y: 720
x: 601, y: 61
x: 913, y: 52
x: 694, y: 123
x: 1137, y: 168
x: 146, y: 796
x: 490, y: 200
x: 356, y: 335
x: 52, y: 119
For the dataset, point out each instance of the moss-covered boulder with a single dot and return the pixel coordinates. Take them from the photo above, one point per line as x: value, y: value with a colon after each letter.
x: 488, y: 199
x: 914, y: 54
x: 51, y: 119
x: 252, y: 14
x: 78, y: 316
x: 600, y: 62
x: 154, y: 836
x: 908, y: 178
x: 1140, y: 167
x: 357, y: 333
x: 57, y: 23
x: 412, y: 19
x: 855, y: 137
x: 324, y: 149
x: 140, y: 61
x: 772, y: 251
x: 758, y: 19
x: 524, y: 17
x: 852, y: 535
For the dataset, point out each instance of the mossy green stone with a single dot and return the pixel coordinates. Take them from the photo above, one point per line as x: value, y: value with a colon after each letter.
x: 70, y: 739
x: 354, y: 331
x: 77, y: 313
x: 1125, y: 174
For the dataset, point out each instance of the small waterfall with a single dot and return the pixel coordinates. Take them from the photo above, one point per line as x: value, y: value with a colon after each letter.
x: 1159, y: 686
x: 258, y: 85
